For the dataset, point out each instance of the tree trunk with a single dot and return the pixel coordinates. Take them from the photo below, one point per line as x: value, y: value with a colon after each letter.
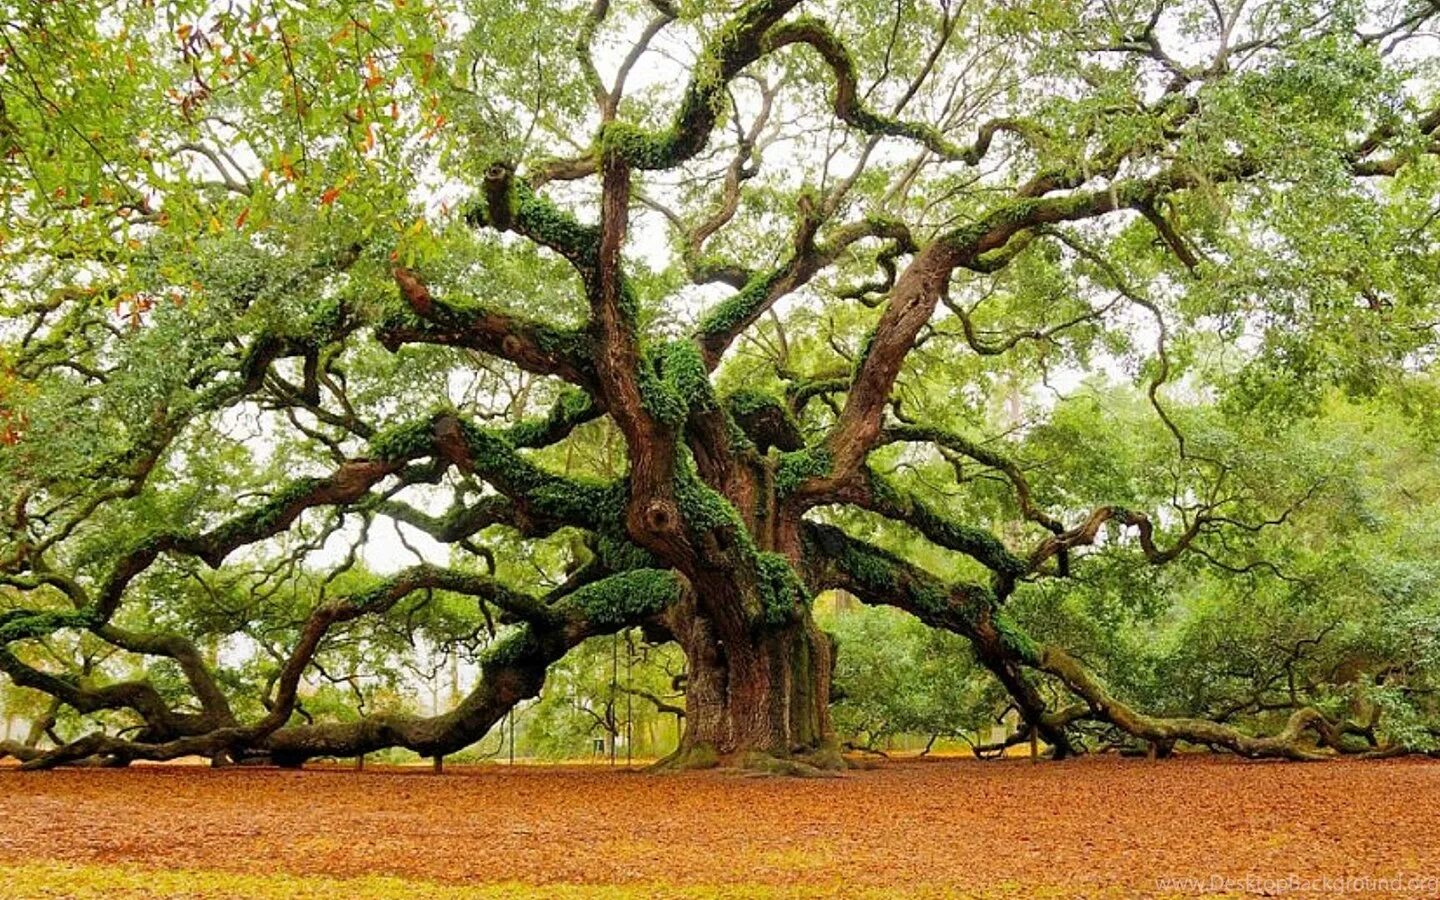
x: 758, y: 700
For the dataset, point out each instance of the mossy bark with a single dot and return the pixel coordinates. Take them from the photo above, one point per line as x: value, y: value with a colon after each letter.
x: 752, y: 699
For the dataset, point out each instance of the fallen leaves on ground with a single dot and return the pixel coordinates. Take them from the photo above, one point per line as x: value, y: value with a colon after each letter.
x: 1085, y: 827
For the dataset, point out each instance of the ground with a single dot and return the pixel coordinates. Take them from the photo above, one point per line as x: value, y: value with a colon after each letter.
x: 943, y: 827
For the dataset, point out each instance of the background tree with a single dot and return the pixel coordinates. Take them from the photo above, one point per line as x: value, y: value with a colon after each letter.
x: 895, y: 677
x: 703, y: 310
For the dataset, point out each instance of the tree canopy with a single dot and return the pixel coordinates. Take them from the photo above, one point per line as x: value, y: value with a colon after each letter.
x: 1099, y: 334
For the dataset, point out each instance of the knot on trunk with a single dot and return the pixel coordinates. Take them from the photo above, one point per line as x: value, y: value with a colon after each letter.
x: 661, y: 516
x: 499, y: 203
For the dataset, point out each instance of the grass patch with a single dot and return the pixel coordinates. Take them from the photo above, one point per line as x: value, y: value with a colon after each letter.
x: 102, y: 881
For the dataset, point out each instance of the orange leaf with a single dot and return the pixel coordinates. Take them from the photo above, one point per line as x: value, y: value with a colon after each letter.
x: 329, y: 196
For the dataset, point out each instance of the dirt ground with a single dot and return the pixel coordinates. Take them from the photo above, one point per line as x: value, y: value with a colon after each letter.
x: 1090, y: 827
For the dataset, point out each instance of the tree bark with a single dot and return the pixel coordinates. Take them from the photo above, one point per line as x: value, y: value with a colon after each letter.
x: 758, y: 700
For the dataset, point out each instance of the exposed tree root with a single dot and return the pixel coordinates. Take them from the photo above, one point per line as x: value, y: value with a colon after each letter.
x: 824, y: 762
x: 688, y: 758
x: 763, y: 764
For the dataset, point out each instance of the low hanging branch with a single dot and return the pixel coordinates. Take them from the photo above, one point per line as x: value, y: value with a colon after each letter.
x: 836, y: 560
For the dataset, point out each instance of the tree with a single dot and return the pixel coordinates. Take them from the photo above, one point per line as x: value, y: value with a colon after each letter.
x: 279, y: 275
x: 1310, y: 614
x: 894, y: 676
x: 617, y: 691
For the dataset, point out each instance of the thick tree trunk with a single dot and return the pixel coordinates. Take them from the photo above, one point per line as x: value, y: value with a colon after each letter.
x: 758, y: 700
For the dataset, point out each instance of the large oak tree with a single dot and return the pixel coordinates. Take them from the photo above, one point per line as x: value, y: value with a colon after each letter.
x: 276, y: 273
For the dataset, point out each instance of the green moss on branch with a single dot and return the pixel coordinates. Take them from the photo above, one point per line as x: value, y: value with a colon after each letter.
x: 21, y: 625
x: 571, y: 408
x: 736, y: 45
x: 977, y: 543
x: 782, y: 593
x: 624, y: 598
x: 674, y: 382
x: 797, y: 467
x: 765, y: 420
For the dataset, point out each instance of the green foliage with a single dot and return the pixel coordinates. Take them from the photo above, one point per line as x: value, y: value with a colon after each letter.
x: 510, y: 649
x: 665, y: 397
x: 727, y: 316
x: 685, y: 372
x: 19, y: 625
x: 762, y: 419
x: 636, y: 146
x: 896, y: 678
x: 702, y: 507
x: 626, y: 597
x: 749, y: 403
x: 782, y: 594
x: 404, y: 441
x: 580, y: 705
x: 795, y: 468
x: 945, y: 530
x: 1338, y: 602
x: 572, y: 407
x: 554, y: 228
x: 1200, y: 289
